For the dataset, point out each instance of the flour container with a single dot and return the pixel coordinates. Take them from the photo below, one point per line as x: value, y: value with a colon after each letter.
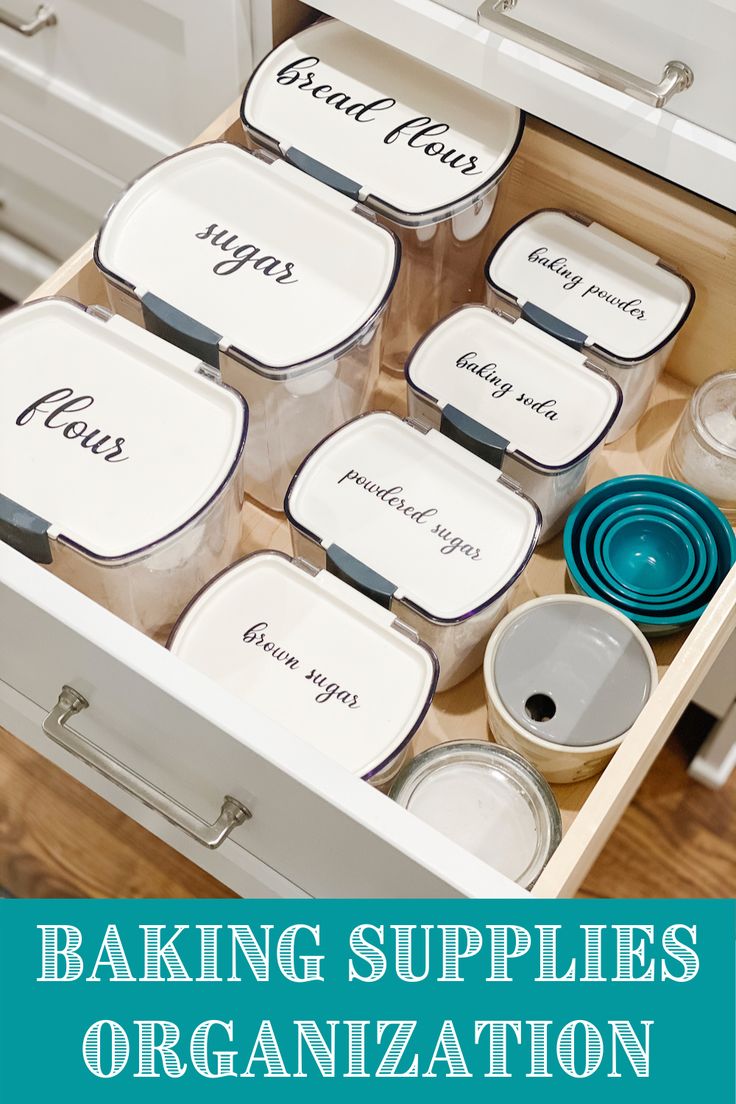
x: 424, y: 150
x: 420, y: 525
x: 524, y: 402
x: 121, y: 460
x: 272, y: 278
x: 310, y: 652
x: 597, y: 292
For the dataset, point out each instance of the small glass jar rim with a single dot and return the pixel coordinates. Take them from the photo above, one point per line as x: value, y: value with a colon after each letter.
x: 700, y: 426
x: 517, y: 768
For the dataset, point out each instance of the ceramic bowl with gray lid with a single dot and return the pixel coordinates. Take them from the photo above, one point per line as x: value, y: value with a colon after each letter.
x: 566, y: 678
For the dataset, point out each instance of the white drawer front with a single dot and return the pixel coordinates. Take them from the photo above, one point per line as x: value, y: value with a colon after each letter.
x: 717, y: 693
x: 642, y: 38
x: 230, y: 863
x: 323, y: 830
x: 22, y: 267
x: 76, y: 121
x: 166, y: 66
x: 50, y: 198
x: 698, y: 155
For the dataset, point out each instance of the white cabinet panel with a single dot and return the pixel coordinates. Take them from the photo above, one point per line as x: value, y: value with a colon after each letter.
x: 230, y: 863
x: 93, y: 100
x: 84, y: 124
x: 717, y: 693
x: 165, y: 65
x: 50, y: 198
x: 22, y: 267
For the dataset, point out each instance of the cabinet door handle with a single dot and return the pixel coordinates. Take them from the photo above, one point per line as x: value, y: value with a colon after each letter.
x: 44, y: 17
x: 677, y: 76
x: 56, y: 726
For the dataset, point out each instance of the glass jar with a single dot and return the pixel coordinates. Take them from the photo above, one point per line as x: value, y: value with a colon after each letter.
x: 703, y: 450
x: 488, y: 799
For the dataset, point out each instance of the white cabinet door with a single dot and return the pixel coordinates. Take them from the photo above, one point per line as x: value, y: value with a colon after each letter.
x: 50, y: 199
x: 166, y: 66
x: 717, y: 693
x: 121, y: 85
x: 321, y: 830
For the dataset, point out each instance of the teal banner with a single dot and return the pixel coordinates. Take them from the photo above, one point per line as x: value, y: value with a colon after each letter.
x: 517, y: 1001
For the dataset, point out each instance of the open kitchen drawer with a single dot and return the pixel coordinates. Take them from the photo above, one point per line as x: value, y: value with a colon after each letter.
x: 314, y: 829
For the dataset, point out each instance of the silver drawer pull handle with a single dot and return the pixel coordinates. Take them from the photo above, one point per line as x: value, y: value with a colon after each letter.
x: 44, y: 17
x: 232, y: 813
x: 677, y: 76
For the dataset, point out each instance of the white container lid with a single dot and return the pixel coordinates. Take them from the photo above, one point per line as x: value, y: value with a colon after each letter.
x: 372, y: 101
x: 173, y: 436
x: 312, y: 654
x: 311, y: 275
x: 539, y: 398
x: 618, y: 298
x: 442, y: 527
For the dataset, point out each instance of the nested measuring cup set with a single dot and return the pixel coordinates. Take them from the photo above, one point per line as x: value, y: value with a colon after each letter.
x: 256, y: 295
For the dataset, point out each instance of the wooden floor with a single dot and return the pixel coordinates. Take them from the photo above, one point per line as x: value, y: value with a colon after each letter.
x: 58, y: 839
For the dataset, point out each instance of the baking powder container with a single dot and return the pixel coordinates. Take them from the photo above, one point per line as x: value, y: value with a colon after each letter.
x: 595, y: 291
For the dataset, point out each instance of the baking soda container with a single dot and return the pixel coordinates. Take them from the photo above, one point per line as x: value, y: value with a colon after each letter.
x: 517, y: 398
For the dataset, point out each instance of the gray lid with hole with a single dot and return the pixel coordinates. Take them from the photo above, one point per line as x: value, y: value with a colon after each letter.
x: 572, y: 673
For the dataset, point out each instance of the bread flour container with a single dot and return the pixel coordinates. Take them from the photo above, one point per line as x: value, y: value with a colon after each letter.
x: 121, y: 460
x: 420, y: 525
x: 423, y: 150
x: 597, y: 292
x: 268, y: 276
x: 524, y: 402
x: 315, y: 656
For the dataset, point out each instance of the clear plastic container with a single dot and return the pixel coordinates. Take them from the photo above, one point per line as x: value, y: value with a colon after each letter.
x: 420, y: 525
x: 423, y: 150
x: 703, y: 450
x: 518, y: 399
x: 123, y: 467
x: 597, y: 292
x: 314, y: 655
x: 274, y: 279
